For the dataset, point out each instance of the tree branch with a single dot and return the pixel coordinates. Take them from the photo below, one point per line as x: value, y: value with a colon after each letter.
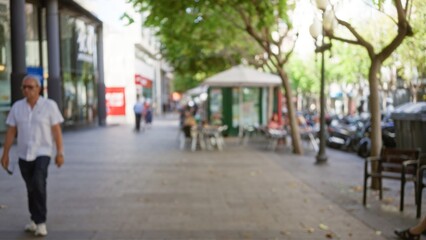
x: 360, y: 40
x: 404, y: 29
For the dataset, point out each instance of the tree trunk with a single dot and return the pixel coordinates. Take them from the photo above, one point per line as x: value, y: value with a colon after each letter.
x: 294, y: 126
x: 376, y: 130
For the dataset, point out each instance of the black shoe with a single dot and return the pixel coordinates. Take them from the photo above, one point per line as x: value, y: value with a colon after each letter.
x: 406, y: 235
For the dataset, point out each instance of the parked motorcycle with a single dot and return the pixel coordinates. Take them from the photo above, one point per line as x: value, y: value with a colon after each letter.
x: 345, y: 133
x: 388, y: 138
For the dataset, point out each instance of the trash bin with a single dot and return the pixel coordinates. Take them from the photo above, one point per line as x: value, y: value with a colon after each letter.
x: 410, y: 125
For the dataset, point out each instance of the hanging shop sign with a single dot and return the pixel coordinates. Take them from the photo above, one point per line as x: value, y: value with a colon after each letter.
x: 143, y: 81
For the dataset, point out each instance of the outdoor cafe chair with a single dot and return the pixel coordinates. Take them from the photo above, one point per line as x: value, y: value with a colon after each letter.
x: 395, y: 164
x: 188, y: 133
x: 275, y: 136
x: 248, y: 132
x: 309, y: 134
x: 214, y: 136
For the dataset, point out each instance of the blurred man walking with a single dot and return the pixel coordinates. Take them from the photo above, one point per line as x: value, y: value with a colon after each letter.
x: 36, y: 121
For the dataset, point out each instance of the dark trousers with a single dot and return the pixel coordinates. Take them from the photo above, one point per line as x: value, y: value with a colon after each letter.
x: 138, y: 117
x: 34, y: 174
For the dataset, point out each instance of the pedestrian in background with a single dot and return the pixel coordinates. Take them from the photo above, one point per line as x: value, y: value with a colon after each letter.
x: 36, y: 121
x: 148, y: 116
x: 138, y: 109
x: 389, y: 108
x: 360, y: 108
x: 189, y: 120
x: 274, y: 122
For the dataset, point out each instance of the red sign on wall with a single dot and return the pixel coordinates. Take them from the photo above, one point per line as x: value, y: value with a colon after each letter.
x: 143, y: 81
x: 115, y: 101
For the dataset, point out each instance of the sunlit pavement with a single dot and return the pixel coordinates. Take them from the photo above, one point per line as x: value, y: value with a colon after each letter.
x: 118, y: 184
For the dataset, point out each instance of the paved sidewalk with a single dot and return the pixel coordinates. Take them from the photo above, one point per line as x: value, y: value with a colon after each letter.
x: 118, y: 184
x: 340, y: 180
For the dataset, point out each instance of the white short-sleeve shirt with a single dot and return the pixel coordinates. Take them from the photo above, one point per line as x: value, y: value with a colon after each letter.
x: 34, y: 127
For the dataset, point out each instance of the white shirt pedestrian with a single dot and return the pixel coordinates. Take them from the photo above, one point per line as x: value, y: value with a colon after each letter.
x: 35, y: 134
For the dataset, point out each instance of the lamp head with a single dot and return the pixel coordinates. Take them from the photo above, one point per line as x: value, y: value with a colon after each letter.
x: 322, y: 4
x: 329, y: 21
x: 315, y: 29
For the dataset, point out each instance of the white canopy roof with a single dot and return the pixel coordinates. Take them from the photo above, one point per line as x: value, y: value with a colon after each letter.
x: 197, y: 90
x: 242, y: 76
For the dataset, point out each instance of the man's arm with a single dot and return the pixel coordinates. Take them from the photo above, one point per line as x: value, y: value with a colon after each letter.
x: 57, y: 135
x: 8, y: 141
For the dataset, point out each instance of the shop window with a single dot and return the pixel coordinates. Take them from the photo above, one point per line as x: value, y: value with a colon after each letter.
x: 5, y: 63
x: 245, y: 106
x: 78, y: 59
x: 32, y: 36
x: 215, y: 103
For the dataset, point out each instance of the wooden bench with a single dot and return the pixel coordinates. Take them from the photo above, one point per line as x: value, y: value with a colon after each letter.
x: 394, y: 164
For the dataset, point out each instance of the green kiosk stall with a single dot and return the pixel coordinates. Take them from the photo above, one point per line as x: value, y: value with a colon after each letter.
x: 243, y: 97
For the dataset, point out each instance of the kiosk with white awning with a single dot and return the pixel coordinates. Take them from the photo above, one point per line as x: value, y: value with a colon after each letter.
x: 243, y: 96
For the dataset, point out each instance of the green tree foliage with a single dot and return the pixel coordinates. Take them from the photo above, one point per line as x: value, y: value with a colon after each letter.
x: 196, y: 41
x: 412, y: 51
x: 304, y: 75
x: 340, y: 68
x: 347, y: 64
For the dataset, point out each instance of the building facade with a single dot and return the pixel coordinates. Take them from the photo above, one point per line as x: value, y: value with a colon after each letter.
x: 133, y: 68
x: 61, y: 43
x: 90, y: 61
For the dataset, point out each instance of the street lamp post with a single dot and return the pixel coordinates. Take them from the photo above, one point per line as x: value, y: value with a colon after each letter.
x: 318, y: 29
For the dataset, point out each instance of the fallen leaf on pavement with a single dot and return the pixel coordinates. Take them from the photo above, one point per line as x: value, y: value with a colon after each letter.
x: 356, y: 188
x: 389, y: 208
x: 329, y: 235
x: 246, y: 235
x: 308, y: 229
x: 323, y: 227
x: 388, y: 200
